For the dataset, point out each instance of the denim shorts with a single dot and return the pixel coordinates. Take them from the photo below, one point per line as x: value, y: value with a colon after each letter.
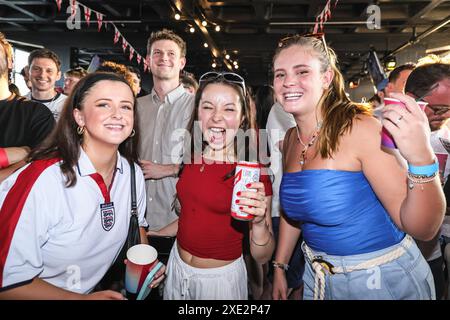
x: 406, y: 278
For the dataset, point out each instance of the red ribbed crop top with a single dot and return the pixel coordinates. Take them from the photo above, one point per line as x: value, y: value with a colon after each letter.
x: 205, y: 226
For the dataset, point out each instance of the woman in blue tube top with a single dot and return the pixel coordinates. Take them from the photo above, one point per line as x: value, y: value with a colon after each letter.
x: 357, y: 204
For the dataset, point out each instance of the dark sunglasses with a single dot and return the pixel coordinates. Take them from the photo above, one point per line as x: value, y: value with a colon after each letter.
x: 227, y: 76
x: 292, y: 39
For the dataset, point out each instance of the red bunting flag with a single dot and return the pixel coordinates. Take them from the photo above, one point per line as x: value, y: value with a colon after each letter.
x: 73, y: 6
x: 87, y: 15
x: 124, y: 44
x: 138, y: 58
x: 99, y: 20
x: 145, y: 66
x: 58, y: 4
x: 131, y: 53
x: 116, y: 35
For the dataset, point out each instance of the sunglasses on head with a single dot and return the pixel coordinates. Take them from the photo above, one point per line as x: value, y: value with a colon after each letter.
x: 227, y: 76
x: 292, y: 39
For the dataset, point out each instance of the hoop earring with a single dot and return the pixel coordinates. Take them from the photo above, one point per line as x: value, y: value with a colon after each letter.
x: 133, y: 132
x: 80, y: 130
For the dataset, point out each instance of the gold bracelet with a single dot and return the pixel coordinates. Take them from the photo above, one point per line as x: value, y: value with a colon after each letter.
x: 283, y: 266
x: 262, y: 245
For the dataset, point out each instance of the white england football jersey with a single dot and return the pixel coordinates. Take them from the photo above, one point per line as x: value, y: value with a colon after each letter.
x: 59, y: 234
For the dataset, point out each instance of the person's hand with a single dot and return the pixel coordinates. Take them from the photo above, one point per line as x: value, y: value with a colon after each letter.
x: 151, y: 170
x: 279, y: 286
x: 252, y: 202
x: 410, y: 130
x: 104, y: 295
x: 157, y: 171
x: 159, y: 277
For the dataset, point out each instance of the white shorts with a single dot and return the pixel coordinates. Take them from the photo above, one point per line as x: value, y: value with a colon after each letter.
x: 184, y: 282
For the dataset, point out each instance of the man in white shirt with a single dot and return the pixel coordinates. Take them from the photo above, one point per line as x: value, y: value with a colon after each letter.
x: 45, y: 70
x: 164, y: 115
x: 431, y: 83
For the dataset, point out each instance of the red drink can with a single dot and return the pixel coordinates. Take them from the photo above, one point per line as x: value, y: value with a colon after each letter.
x: 246, y: 172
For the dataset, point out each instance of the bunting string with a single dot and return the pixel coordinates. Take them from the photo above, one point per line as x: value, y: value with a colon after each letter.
x: 323, y: 16
x: 88, y: 13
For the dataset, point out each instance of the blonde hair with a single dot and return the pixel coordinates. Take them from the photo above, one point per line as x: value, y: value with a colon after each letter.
x: 7, y: 47
x: 337, y: 110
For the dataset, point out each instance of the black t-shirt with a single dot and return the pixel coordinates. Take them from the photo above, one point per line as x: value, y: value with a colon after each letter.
x: 24, y: 122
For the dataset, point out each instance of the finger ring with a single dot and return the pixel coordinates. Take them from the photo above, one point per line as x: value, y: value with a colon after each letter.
x: 399, y: 119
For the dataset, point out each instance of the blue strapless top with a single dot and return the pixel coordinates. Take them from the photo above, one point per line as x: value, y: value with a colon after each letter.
x: 338, y: 211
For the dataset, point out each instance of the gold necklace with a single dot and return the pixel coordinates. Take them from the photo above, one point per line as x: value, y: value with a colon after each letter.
x: 310, y: 142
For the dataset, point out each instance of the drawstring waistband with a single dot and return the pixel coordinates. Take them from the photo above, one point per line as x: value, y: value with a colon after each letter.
x: 321, y: 266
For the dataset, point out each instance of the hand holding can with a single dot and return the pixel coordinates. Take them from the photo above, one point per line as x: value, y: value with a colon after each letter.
x: 246, y: 172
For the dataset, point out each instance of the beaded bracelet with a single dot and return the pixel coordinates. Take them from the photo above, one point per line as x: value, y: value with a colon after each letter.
x: 426, y: 171
x: 419, y: 179
x: 283, y: 266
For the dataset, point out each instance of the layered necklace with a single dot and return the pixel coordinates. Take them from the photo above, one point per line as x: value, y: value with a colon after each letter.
x: 310, y: 142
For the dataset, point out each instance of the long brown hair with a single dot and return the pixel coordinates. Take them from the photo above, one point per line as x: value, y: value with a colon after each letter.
x: 248, y: 118
x: 337, y: 110
x: 64, y: 142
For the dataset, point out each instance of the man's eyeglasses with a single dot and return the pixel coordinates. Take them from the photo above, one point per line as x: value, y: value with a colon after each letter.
x: 438, y: 109
x: 292, y: 39
x: 227, y: 76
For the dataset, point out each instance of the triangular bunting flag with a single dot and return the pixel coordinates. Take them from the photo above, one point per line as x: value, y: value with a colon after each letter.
x: 124, y: 44
x: 99, y: 20
x: 87, y: 15
x: 73, y: 6
x: 131, y: 53
x: 58, y: 4
x: 116, y: 35
x: 138, y: 58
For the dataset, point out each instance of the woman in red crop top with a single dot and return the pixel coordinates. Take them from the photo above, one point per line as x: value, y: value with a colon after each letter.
x: 206, y: 261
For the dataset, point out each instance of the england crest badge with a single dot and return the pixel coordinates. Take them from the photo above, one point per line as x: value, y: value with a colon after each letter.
x: 108, y: 215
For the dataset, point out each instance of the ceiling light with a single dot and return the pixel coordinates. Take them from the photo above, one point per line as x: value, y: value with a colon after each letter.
x: 217, y: 28
x: 204, y: 23
x: 177, y: 16
x: 191, y: 29
x: 391, y: 62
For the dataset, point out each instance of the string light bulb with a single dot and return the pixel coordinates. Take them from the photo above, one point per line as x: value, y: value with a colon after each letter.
x: 205, y: 45
x: 214, y: 65
x: 177, y: 16
x: 227, y: 57
x: 191, y: 29
x: 217, y: 28
x: 204, y: 23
